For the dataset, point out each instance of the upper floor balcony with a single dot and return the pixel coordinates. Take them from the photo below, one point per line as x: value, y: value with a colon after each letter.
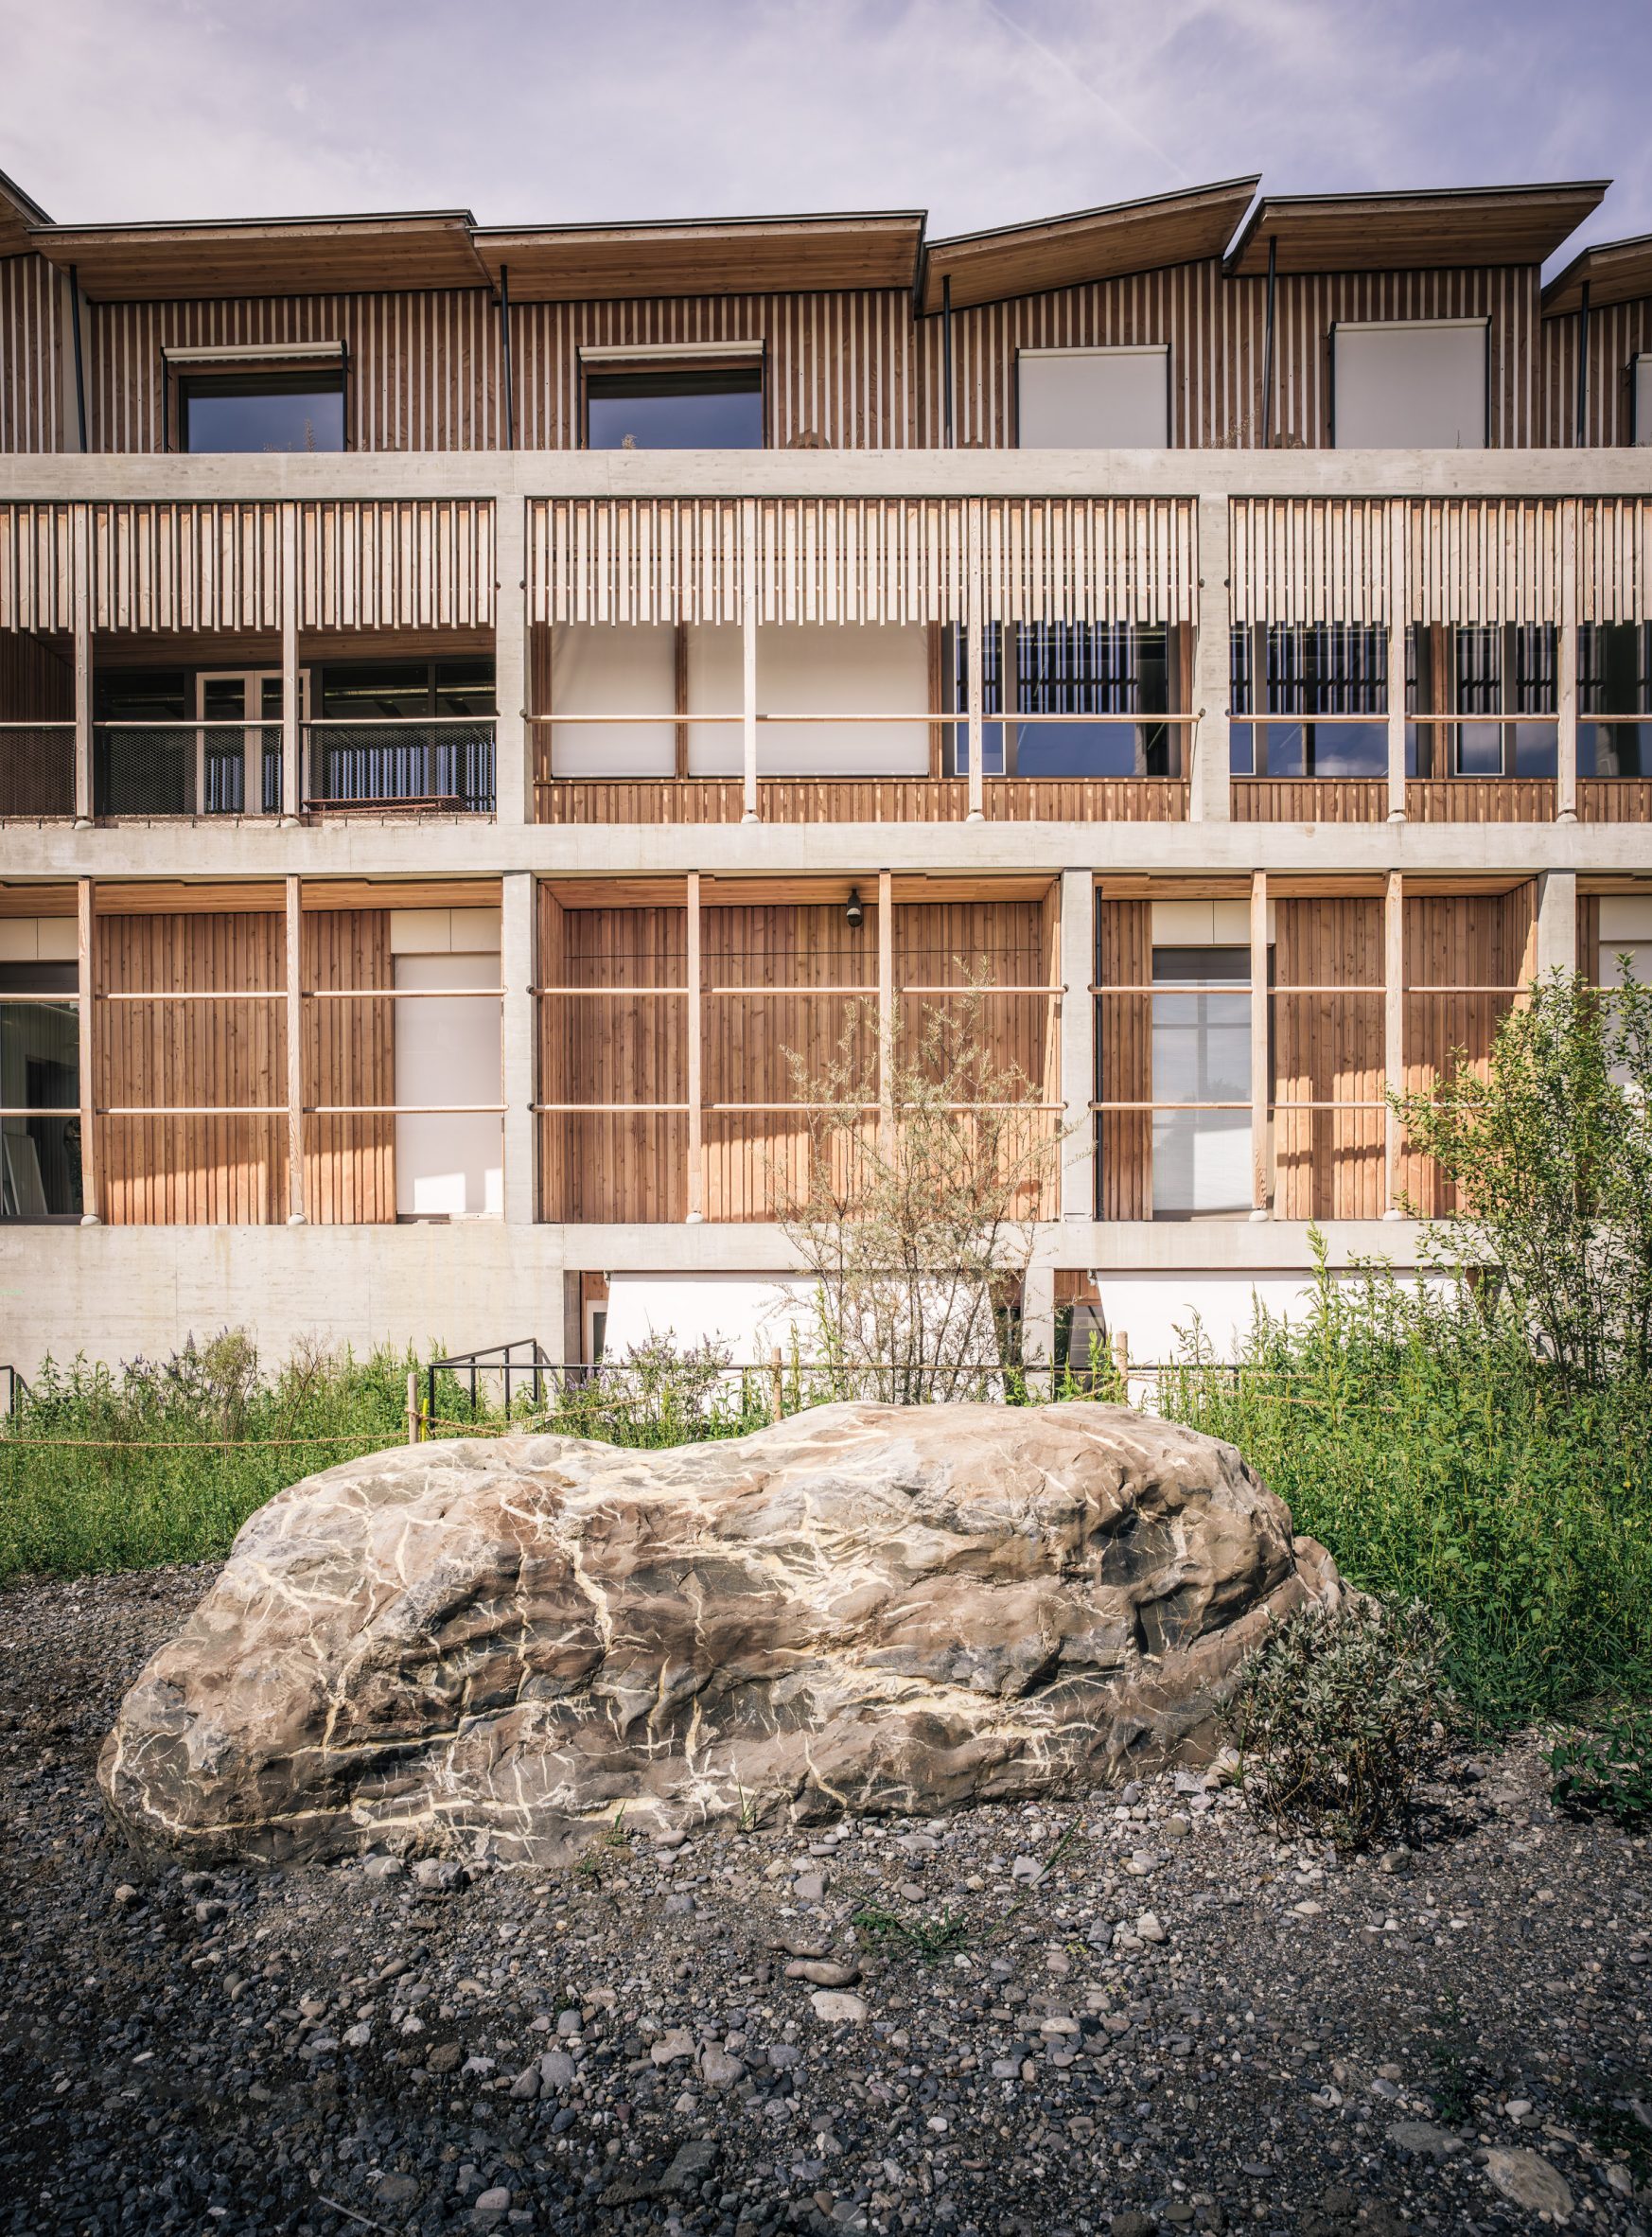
x: 1105, y: 640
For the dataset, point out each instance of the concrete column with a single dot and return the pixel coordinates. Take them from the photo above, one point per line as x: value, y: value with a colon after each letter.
x: 1038, y: 1319
x: 1078, y: 975
x: 520, y: 1034
x: 292, y: 705
x: 86, y: 982
x: 295, y: 1010
x: 1566, y: 672
x: 1399, y: 607
x: 513, y: 751
x: 886, y: 1015
x: 80, y: 552
x: 1210, y: 798
x: 1555, y: 946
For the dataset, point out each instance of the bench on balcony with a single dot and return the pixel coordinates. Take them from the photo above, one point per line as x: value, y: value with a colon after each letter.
x: 424, y: 803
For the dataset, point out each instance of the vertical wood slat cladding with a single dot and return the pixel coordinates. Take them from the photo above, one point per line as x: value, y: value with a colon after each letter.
x: 36, y: 567
x: 1124, y: 1041
x: 191, y: 1170
x: 37, y: 768
x: 1306, y: 559
x: 32, y: 343
x: 621, y: 1165
x: 185, y: 567
x: 839, y: 367
x: 1329, y: 1047
x: 349, y: 1163
x: 1479, y: 800
x: 423, y: 368
x: 1215, y: 330
x: 1588, y: 938
x: 1614, y: 558
x: 856, y: 800
x: 1614, y: 800
x: 1455, y: 940
x: 1618, y: 333
x: 1309, y: 800
x: 400, y: 563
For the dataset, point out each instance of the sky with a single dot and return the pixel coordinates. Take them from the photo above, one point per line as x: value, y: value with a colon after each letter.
x: 981, y: 112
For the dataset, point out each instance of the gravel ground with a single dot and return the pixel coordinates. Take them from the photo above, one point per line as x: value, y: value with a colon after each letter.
x: 1136, y: 2014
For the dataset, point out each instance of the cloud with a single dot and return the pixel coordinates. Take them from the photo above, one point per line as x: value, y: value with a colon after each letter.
x: 983, y: 111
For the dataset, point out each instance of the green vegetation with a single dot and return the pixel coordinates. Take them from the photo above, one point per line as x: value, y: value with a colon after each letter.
x: 1607, y: 1772
x: 1336, y: 1719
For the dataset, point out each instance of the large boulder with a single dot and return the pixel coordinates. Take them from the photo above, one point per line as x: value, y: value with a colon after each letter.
x: 500, y: 1643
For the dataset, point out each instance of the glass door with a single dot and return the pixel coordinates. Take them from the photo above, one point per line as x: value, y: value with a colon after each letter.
x: 238, y: 743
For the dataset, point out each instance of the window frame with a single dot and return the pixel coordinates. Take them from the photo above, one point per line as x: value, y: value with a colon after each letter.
x: 287, y: 360
x: 1481, y: 320
x: 665, y: 359
x: 1105, y: 349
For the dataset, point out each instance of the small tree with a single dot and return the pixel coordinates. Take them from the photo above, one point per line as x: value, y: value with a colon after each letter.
x: 926, y: 1159
x: 1550, y: 1156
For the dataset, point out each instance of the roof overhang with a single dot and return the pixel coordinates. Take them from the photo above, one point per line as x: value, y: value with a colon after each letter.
x: 720, y: 257
x: 1409, y: 231
x: 1086, y: 245
x: 1613, y: 271
x: 19, y: 214
x: 267, y: 256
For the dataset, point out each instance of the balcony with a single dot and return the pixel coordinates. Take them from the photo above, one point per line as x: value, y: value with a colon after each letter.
x: 418, y: 765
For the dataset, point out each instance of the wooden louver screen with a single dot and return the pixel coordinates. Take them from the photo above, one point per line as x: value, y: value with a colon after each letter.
x: 36, y: 560
x: 163, y: 567
x: 894, y: 560
x: 1614, y: 560
x: 397, y: 564
x: 1330, y: 559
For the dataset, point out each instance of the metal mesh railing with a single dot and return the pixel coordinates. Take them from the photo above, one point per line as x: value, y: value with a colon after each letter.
x: 443, y: 763
x: 37, y: 768
x: 186, y: 768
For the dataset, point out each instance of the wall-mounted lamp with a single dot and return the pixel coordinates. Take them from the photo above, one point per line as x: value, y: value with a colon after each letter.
x: 853, y: 915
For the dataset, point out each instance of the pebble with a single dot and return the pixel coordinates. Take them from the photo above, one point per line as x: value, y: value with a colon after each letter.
x: 1530, y: 2181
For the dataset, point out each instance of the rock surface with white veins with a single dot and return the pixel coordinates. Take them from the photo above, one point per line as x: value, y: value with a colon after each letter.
x: 503, y: 1643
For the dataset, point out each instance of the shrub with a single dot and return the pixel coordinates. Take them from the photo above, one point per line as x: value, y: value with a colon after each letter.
x: 1337, y: 1716
x: 1607, y: 1772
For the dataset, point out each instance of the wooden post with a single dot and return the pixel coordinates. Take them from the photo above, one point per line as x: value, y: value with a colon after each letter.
x: 1566, y: 672
x: 1399, y: 607
x: 1077, y: 1042
x: 81, y: 560
x: 1393, y: 1032
x: 85, y: 989
x: 973, y: 608
x: 413, y: 1406
x: 886, y: 1015
x: 1260, y: 1008
x: 749, y: 656
x: 1120, y: 1348
x: 776, y: 1397
x: 697, y: 1152
x: 292, y: 705
x: 295, y: 1211
x: 680, y: 698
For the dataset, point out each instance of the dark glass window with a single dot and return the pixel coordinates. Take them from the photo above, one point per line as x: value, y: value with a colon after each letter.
x: 1308, y: 671
x: 405, y: 730
x: 147, y: 769
x: 1614, y: 677
x: 675, y: 411
x: 1070, y: 668
x: 1504, y: 669
x: 261, y: 411
x: 39, y: 1085
x: 378, y: 691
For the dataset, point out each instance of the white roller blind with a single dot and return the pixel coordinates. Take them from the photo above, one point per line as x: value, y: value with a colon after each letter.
x: 598, y: 669
x: 1417, y: 385
x: 1643, y: 399
x: 1094, y: 399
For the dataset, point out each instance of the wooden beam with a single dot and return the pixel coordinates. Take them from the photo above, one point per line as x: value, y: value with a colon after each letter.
x: 680, y: 701
x: 696, y: 1153
x: 748, y: 656
x: 292, y: 705
x: 86, y: 982
x: 885, y: 1014
x: 1260, y: 1017
x: 1566, y: 671
x: 975, y: 625
x: 295, y: 1201
x: 1393, y: 1033
x: 1399, y: 604
x: 82, y: 560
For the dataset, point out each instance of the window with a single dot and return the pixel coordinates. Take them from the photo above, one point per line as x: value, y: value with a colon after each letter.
x: 1411, y: 386
x: 261, y: 411
x: 1481, y: 672
x: 1104, y: 399
x: 1053, y: 668
x: 1614, y: 677
x: 40, y: 1087
x: 1326, y: 668
x: 405, y: 730
x: 675, y: 408
x: 1201, y: 1055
